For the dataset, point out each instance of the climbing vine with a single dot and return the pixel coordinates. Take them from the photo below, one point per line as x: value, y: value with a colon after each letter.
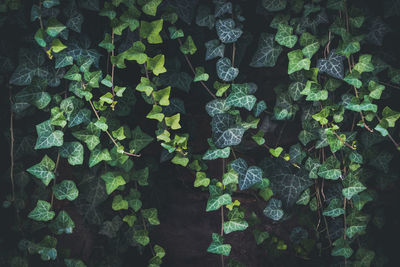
x: 107, y: 97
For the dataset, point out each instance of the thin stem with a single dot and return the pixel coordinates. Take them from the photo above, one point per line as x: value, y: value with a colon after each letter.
x: 194, y: 72
x: 108, y: 133
x: 222, y: 213
x: 389, y: 135
x: 112, y: 66
x: 12, y: 147
x: 344, y: 142
x: 55, y: 178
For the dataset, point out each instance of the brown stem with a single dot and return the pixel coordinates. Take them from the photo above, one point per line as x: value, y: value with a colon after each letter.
x: 389, y: 135
x: 12, y: 147
x: 194, y: 72
x: 344, y: 142
x: 112, y: 66
x: 108, y: 133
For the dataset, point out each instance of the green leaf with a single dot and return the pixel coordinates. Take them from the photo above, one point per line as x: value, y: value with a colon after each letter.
x: 47, y: 136
x: 375, y: 89
x: 304, y: 197
x: 129, y: 219
x: 173, y: 121
x: 119, y: 203
x: 333, y: 65
x: 142, y: 237
x: 314, y: 92
x: 330, y: 169
x: 204, y: 17
x: 274, y: 5
x: 201, y: 180
x: 234, y: 225
x: 175, y: 33
x: 217, y: 106
x: 364, y: 64
x: 225, y: 131
x: 54, y: 27
x: 74, y: 263
x: 97, y: 155
x: 200, y: 75
x: 215, y: 153
x: 90, y: 136
x: 239, y: 97
x: 260, y: 236
x: 188, y: 47
x: 230, y: 177
x: 39, y: 38
x: 139, y: 140
x: 45, y: 248
x: 44, y: 170
x: 145, y: 86
x: 297, y: 62
x: 66, y: 190
x: 225, y: 70
x: 73, y: 74
x: 151, y: 215
x: 215, y: 202
x: 119, y: 133
x: 135, y: 52
x: 42, y: 212
x: 162, y: 96
x: 113, y: 180
x: 150, y: 7
x: 352, y: 186
x: 285, y: 37
x: 156, y: 64
x: 57, y: 46
x: 102, y: 123
x: 273, y: 209
x: 276, y: 152
x: 342, y: 248
x: 390, y: 116
x: 267, y: 52
x: 226, y: 30
x: 62, y: 224
x: 179, y: 159
x: 107, y: 43
x: 73, y: 151
x: 151, y: 31
x: 217, y: 246
x: 214, y: 49
x: 334, y: 209
x: 259, y: 138
x: 310, y: 50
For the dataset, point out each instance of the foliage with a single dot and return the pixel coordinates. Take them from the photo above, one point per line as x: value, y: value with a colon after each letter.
x: 88, y: 101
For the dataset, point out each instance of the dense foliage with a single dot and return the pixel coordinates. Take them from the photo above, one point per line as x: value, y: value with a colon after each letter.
x: 282, y: 112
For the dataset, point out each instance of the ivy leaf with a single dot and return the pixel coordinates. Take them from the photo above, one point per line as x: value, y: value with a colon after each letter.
x: 304, y: 197
x: 31, y: 65
x: 342, y: 248
x: 42, y: 212
x: 175, y: 33
x: 287, y: 182
x: 200, y: 75
x: 90, y: 136
x: 173, y: 121
x: 75, y: 22
x: 352, y: 186
x: 97, y: 155
x: 215, y: 153
x: 217, y: 106
x: 107, y: 43
x: 73, y: 151
x: 226, y: 30
x: 239, y: 97
x: 151, y: 215
x: 297, y: 62
x: 273, y: 209
x: 330, y: 169
x: 54, y: 27
x: 225, y: 132
x: 375, y: 89
x: 267, y: 52
x: 314, y: 92
x: 43, y: 170
x: 274, y: 5
x: 204, y: 18
x: 47, y: 136
x: 276, y: 152
x: 364, y: 64
x: 285, y: 37
x: 253, y: 176
x: 151, y: 31
x: 310, y: 50
x: 119, y: 203
x: 312, y: 165
x: 334, y: 209
x: 113, y: 181
x: 66, y: 190
x: 150, y: 7
x: 139, y: 140
x: 217, y: 246
x: 333, y: 65
x: 201, y: 180
x: 62, y: 224
x: 188, y: 47
x: 214, y: 49
x: 156, y: 64
x: 260, y: 107
x: 234, y: 225
x: 225, y: 70
x: 142, y: 237
x: 215, y: 202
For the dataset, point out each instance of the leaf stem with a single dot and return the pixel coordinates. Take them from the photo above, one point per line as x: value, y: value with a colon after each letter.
x: 194, y: 72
